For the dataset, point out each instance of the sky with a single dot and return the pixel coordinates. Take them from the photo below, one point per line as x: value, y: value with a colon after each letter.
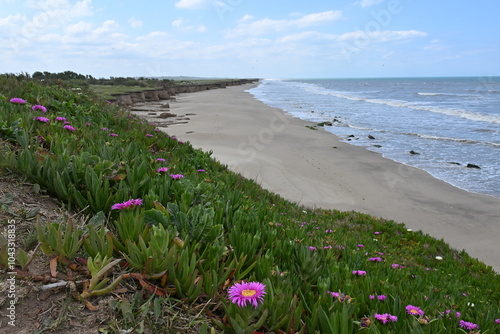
x: 251, y: 38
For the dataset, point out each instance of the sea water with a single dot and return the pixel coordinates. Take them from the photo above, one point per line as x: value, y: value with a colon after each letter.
x: 440, y: 125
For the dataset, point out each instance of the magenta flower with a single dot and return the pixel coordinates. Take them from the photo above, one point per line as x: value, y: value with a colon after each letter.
x: 39, y: 107
x: 372, y: 297
x: 312, y: 248
x: 104, y: 129
x: 127, y: 204
x: 162, y: 170
x: 414, y: 310
x: 385, y: 318
x: 17, y: 100
x: 247, y: 293
x: 88, y: 123
x: 457, y: 314
x: 43, y: 119
x: 360, y: 246
x: 375, y: 259
x: 468, y: 325
x: 113, y: 135
x: 61, y: 119
x: 381, y: 297
x: 176, y: 176
x: 359, y: 272
x: 149, y: 135
x: 334, y: 294
x: 201, y: 171
x: 497, y: 321
x: 69, y: 127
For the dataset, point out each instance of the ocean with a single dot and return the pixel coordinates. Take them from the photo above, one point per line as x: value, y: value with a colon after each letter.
x: 445, y: 126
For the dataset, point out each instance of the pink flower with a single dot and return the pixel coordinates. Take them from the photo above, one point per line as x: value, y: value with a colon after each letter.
x: 60, y: 119
x: 124, y: 205
x: 385, y: 318
x: 43, y: 119
x: 247, y: 293
x: 17, y: 100
x: 468, y: 325
x: 161, y: 160
x: 113, y: 135
x: 69, y: 127
x: 497, y: 321
x: 372, y: 297
x: 375, y: 259
x: 162, y: 170
x: 149, y: 135
x: 381, y: 297
x: 359, y: 272
x: 414, y: 310
x: 104, y: 129
x: 201, y: 170
x: 360, y: 246
x: 311, y: 248
x: 334, y: 294
x: 39, y: 107
x: 176, y: 176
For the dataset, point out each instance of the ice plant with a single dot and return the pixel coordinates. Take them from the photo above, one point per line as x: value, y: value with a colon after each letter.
x: 69, y: 127
x: 17, y: 100
x: 39, y: 107
x: 414, y: 310
x: 468, y: 325
x: 149, y: 135
x: 385, y: 318
x: 113, y: 135
x: 359, y: 272
x: 176, y: 176
x: 162, y: 170
x: 124, y: 205
x: 247, y: 293
x: 43, y: 119
x: 375, y: 259
x: 60, y: 119
x: 160, y: 159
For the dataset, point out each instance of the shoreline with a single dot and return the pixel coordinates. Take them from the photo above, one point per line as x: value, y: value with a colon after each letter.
x: 314, y: 169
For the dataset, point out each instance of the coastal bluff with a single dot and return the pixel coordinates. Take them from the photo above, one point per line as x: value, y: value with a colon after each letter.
x: 165, y: 93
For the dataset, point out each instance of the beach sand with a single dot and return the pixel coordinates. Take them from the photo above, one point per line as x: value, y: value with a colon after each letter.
x: 314, y: 169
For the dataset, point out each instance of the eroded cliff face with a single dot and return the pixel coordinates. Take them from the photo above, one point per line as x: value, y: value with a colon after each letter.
x: 130, y: 98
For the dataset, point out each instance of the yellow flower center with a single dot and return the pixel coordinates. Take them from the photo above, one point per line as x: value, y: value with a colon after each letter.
x: 414, y: 311
x: 248, y: 293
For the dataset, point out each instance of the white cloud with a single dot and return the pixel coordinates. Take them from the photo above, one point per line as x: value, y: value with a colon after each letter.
x: 192, y: 4
x: 246, y: 18
x: 368, y: 3
x: 180, y: 25
x: 135, y: 23
x: 266, y: 25
x: 380, y: 36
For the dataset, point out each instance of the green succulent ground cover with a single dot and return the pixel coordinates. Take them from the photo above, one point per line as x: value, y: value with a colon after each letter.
x: 193, y: 236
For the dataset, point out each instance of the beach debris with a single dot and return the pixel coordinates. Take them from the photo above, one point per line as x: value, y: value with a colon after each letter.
x: 454, y: 163
x: 414, y: 152
x: 325, y: 123
x: 371, y: 137
x: 473, y: 166
x: 167, y: 115
x: 377, y: 146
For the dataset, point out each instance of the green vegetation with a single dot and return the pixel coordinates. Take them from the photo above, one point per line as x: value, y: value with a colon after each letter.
x: 182, y: 229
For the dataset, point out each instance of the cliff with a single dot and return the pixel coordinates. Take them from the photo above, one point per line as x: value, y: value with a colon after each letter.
x: 130, y: 98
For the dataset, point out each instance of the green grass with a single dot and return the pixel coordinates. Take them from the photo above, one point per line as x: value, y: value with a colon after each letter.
x: 194, y: 237
x: 105, y: 91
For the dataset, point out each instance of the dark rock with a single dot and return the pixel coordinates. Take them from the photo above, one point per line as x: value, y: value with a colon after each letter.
x: 454, y: 163
x: 166, y: 115
x: 414, y: 152
x: 473, y: 166
x: 371, y: 137
x: 377, y: 146
x: 350, y: 136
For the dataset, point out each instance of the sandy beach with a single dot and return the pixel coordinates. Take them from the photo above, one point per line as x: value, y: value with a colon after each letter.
x: 316, y: 170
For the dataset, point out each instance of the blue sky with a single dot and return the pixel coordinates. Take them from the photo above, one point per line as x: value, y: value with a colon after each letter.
x: 251, y: 38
